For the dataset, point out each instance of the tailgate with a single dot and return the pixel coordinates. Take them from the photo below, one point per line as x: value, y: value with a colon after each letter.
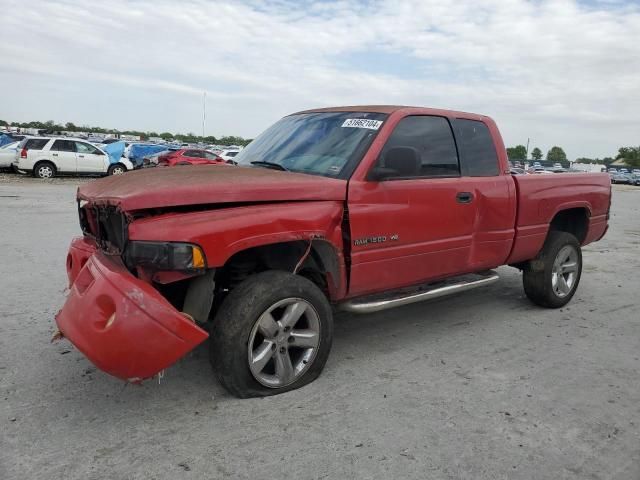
x: 122, y: 324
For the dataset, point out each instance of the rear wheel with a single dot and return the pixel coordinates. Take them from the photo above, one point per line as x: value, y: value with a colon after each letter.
x: 272, y: 334
x: 553, y: 278
x: 44, y: 170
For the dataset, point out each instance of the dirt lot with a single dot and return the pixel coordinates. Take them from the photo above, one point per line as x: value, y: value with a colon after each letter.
x: 483, y: 385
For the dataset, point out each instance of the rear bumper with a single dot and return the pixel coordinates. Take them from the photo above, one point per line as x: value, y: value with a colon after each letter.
x: 17, y: 169
x: 120, y: 323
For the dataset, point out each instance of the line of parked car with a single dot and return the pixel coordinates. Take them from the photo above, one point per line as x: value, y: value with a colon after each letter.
x: 625, y: 176
x: 537, y: 168
x: 47, y: 157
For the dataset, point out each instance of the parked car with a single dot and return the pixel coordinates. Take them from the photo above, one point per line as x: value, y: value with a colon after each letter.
x: 354, y: 208
x: 8, y: 154
x: 620, y: 178
x: 623, y: 170
x: 46, y: 157
x: 634, y: 178
x: 189, y: 156
x: 229, y: 155
x: 612, y: 170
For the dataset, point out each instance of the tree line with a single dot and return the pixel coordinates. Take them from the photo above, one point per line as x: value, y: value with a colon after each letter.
x: 630, y: 155
x: 52, y: 127
x: 519, y: 152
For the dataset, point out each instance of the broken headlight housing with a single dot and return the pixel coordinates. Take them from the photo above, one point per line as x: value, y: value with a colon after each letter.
x: 158, y: 256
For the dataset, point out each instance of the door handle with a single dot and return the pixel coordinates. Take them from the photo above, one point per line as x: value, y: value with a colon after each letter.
x: 81, y: 156
x: 54, y: 154
x: 464, y: 197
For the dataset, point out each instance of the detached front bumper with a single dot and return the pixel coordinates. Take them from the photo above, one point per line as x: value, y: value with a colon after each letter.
x: 120, y: 323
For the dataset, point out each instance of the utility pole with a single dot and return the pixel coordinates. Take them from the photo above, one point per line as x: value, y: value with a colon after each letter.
x: 527, y: 155
x: 204, y: 112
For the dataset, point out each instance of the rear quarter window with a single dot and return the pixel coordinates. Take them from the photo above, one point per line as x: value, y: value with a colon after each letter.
x: 478, y: 157
x: 34, y: 143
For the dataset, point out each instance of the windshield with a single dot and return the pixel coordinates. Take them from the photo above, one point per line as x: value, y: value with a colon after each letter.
x: 328, y: 144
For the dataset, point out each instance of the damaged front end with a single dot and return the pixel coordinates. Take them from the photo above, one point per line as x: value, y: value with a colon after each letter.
x: 114, y: 314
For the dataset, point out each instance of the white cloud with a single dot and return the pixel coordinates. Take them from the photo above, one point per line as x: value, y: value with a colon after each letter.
x: 560, y: 72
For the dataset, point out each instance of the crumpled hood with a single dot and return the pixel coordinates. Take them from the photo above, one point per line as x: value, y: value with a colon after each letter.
x: 207, y: 184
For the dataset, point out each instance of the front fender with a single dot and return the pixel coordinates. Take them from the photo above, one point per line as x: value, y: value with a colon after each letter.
x: 224, y: 232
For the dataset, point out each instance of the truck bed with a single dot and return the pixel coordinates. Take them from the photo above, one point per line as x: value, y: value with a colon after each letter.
x: 541, y: 197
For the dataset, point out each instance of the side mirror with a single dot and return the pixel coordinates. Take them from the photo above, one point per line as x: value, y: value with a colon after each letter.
x: 396, y: 162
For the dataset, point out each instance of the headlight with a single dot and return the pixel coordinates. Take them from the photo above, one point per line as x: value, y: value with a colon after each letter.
x: 165, y: 256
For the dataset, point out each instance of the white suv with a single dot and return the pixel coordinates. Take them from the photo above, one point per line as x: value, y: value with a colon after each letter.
x: 48, y: 157
x: 229, y: 154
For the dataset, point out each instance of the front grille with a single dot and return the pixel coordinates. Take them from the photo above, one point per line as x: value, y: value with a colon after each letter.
x: 107, y: 225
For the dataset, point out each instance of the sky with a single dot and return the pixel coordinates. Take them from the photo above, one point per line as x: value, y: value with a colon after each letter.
x: 559, y: 72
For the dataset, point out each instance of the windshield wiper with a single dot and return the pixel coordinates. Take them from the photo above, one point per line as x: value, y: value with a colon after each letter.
x: 275, y: 166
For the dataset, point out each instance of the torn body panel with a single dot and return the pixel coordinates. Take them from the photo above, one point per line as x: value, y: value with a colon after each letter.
x: 122, y: 324
x: 224, y: 233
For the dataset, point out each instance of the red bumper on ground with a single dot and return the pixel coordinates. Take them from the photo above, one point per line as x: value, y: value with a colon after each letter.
x: 80, y: 251
x: 122, y: 324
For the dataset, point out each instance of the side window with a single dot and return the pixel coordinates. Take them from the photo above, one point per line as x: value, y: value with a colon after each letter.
x: 63, y: 146
x: 34, y: 143
x: 478, y: 156
x: 191, y: 153
x: 86, y: 148
x: 432, y: 140
x: 210, y: 156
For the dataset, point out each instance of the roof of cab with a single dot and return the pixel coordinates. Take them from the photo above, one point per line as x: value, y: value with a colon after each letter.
x: 389, y: 109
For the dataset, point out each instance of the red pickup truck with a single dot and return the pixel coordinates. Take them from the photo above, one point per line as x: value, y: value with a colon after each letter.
x: 350, y: 208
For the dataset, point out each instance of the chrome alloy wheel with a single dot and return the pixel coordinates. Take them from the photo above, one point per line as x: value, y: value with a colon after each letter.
x: 117, y: 171
x: 45, y: 171
x: 283, y: 342
x: 565, y: 271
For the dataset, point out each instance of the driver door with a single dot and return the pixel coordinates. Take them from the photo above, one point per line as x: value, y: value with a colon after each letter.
x: 90, y: 159
x: 415, y: 227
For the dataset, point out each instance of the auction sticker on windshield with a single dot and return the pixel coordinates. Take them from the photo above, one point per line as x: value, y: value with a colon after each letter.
x: 362, y: 123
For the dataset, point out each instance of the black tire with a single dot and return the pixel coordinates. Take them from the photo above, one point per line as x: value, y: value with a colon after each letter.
x: 538, y: 277
x: 237, y: 317
x: 44, y: 170
x: 116, y: 169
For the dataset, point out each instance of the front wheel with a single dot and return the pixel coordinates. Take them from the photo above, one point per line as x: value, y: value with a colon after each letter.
x: 272, y: 334
x: 552, y: 279
x: 116, y: 169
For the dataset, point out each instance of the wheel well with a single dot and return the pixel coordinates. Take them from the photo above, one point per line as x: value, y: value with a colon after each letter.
x: 320, y: 264
x: 573, y: 220
x: 40, y: 162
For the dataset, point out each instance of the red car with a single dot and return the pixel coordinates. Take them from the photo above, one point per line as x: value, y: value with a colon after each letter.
x: 189, y: 156
x: 357, y: 209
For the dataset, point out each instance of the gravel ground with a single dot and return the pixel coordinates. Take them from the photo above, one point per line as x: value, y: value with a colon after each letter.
x: 482, y: 385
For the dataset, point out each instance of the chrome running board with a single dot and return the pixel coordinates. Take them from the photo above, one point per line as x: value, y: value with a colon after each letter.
x: 406, y: 296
